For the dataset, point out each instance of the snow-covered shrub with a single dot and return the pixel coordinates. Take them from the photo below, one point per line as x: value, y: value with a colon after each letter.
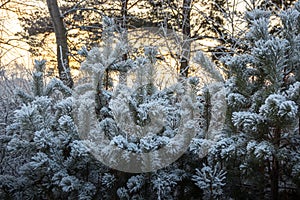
x: 211, y: 181
x: 136, y: 126
x: 44, y: 152
x: 263, y: 106
x: 139, y: 124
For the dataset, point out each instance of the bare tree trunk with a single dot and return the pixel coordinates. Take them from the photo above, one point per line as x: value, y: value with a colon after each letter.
x: 275, y: 179
x: 122, y: 177
x: 186, y: 31
x: 184, y: 62
x: 275, y: 167
x: 61, y: 42
x: 124, y: 24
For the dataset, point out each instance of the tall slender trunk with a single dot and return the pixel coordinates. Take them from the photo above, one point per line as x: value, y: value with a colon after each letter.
x: 275, y: 167
x: 186, y: 31
x: 184, y: 63
x: 61, y: 42
x: 122, y: 177
x: 124, y: 24
x: 275, y: 179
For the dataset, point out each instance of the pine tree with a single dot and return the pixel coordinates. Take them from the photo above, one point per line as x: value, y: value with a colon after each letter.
x: 136, y: 127
x: 45, y: 157
x: 263, y: 140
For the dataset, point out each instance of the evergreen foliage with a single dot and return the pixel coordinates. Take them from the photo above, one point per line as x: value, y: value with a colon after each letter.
x: 52, y: 148
x: 45, y: 158
x: 264, y: 116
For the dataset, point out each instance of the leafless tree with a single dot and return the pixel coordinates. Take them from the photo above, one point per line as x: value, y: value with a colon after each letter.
x: 61, y: 43
x: 186, y: 32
